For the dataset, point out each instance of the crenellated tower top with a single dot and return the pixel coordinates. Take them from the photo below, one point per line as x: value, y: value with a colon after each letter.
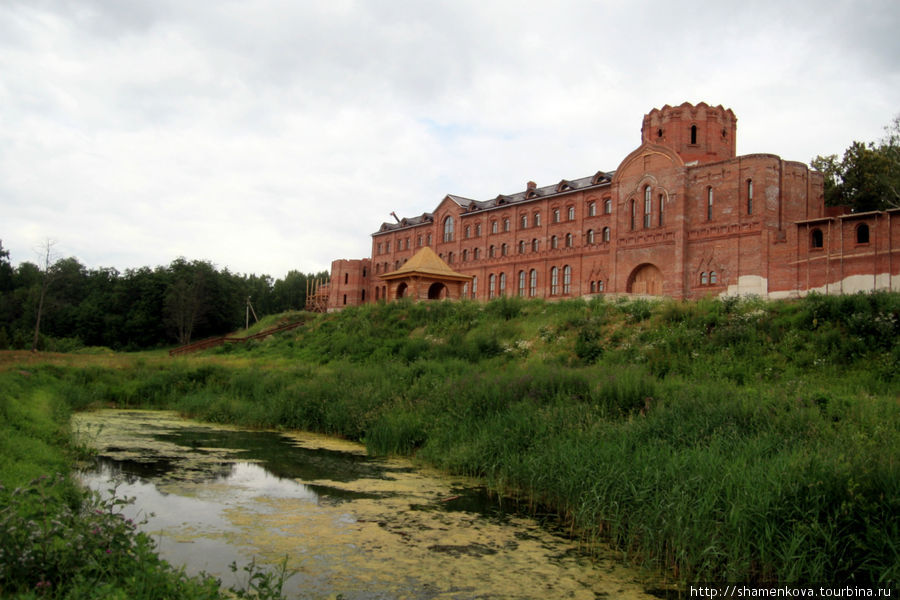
x: 699, y: 133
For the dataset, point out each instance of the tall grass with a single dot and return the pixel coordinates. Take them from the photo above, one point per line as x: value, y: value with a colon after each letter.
x: 739, y: 439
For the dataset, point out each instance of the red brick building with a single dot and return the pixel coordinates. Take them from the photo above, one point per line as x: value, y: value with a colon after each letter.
x: 681, y: 216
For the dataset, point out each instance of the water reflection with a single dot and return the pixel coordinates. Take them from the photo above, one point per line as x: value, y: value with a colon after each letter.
x: 349, y: 524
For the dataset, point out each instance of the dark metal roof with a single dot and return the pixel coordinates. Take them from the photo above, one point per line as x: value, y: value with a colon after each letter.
x: 599, y: 179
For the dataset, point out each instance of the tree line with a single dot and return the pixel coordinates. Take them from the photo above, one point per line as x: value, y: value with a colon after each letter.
x: 867, y: 177
x: 136, y: 309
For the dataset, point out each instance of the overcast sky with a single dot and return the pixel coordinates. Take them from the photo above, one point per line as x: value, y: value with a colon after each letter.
x: 270, y: 135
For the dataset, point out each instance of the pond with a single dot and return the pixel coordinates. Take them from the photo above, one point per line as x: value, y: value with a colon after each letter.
x: 349, y: 524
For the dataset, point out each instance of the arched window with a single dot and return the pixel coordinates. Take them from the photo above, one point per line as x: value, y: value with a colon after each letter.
x: 862, y: 234
x: 600, y: 285
x: 567, y: 279
x: 465, y: 255
x: 554, y: 281
x: 492, y: 281
x: 504, y: 249
x: 346, y: 278
x: 532, y: 283
x: 362, y: 296
x: 593, y: 286
x: 749, y: 196
x: 523, y: 223
x: 465, y: 293
x: 713, y: 278
x: 492, y: 252
x: 556, y: 215
x: 387, y: 247
x: 569, y: 242
x: 703, y: 278
x: 648, y: 209
x: 590, y: 236
x: 709, y: 204
x: 693, y: 134
x: 502, y: 288
x: 554, y: 243
x: 477, y: 253
x: 521, y: 283
x: 468, y: 232
x: 570, y: 213
x: 592, y: 209
x: 535, y: 245
x: 606, y: 234
x: 474, y: 286
x: 448, y: 229
x: 478, y: 230
x: 632, y: 213
x: 506, y: 224
x: 661, y: 208
x: 450, y: 258
x: 377, y: 268
x: 428, y: 240
x: 816, y: 239
x: 537, y: 219
x: 607, y: 206
x: 521, y: 246
x: 493, y: 226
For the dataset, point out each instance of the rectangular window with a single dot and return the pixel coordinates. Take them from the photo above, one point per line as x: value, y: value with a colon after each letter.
x: 749, y: 196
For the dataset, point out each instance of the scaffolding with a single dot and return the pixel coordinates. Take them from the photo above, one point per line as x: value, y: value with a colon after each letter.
x: 317, y: 295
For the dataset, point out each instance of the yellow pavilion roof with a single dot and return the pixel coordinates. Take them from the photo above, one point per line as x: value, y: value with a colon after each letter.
x: 426, y: 262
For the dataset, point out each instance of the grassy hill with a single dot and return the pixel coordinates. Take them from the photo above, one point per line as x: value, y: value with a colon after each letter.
x: 736, y: 440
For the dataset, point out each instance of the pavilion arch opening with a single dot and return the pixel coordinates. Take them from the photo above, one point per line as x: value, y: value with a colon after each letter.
x: 437, y: 291
x: 402, y: 290
x: 645, y: 279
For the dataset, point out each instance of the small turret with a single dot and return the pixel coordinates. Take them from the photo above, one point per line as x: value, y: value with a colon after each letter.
x: 699, y: 133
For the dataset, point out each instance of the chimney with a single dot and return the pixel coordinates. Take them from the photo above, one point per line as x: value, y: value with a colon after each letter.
x: 531, y: 186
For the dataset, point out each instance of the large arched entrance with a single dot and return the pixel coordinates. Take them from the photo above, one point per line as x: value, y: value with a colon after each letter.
x: 645, y: 279
x: 437, y: 291
x: 402, y: 290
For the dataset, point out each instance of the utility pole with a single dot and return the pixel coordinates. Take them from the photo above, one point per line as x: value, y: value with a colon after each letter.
x: 45, y: 249
x: 248, y: 310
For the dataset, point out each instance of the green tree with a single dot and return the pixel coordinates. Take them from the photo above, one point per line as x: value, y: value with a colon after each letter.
x: 868, y: 176
x: 6, y: 270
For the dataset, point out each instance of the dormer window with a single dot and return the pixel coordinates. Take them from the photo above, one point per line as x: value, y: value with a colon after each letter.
x: 448, y: 229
